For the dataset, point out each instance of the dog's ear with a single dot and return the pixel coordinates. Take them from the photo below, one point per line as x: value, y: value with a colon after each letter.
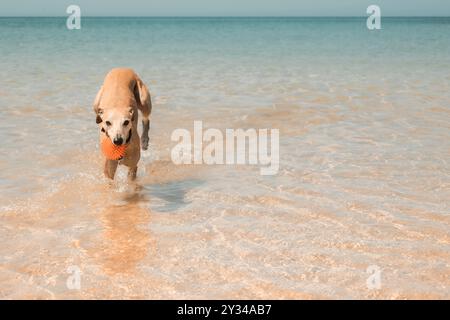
x: 97, y: 110
x: 141, y: 93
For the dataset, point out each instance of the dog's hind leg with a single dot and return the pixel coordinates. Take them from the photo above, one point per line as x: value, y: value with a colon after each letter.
x: 144, y: 137
x: 110, y: 168
x: 145, y: 105
x: 145, y: 109
x: 132, y: 173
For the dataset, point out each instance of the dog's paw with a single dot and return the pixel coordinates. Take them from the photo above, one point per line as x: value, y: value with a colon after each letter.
x: 144, y: 143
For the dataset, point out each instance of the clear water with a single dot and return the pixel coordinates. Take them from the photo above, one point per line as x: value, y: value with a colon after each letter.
x: 364, y: 178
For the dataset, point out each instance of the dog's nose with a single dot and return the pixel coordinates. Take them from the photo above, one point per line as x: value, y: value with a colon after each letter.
x: 118, y: 141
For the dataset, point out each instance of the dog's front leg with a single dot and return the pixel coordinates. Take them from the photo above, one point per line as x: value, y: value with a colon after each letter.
x: 110, y: 168
x: 132, y: 173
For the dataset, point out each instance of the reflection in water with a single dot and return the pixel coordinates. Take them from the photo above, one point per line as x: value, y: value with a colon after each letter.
x: 126, y: 237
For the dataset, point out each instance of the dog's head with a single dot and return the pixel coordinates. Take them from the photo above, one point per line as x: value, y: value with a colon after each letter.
x: 116, y: 123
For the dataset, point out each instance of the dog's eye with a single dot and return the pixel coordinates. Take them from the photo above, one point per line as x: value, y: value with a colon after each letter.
x: 108, y: 123
x: 126, y: 122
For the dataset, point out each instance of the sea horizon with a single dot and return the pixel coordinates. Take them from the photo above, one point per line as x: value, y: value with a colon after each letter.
x: 132, y: 16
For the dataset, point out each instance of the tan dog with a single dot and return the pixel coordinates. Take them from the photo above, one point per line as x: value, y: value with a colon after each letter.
x: 116, y: 106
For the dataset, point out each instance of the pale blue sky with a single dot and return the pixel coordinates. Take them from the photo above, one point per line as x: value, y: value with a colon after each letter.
x: 225, y: 7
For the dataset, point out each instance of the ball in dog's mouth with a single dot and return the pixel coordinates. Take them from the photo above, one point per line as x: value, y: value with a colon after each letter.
x: 112, y: 151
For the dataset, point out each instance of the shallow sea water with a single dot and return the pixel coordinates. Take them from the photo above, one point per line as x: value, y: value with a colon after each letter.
x: 364, y: 177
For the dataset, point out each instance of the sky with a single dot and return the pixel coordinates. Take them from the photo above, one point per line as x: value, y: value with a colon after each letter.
x: 225, y: 7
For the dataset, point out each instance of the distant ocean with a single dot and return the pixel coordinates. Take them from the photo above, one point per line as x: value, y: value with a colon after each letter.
x: 364, y: 179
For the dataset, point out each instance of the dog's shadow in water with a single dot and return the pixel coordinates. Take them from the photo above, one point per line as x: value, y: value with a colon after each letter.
x: 172, y: 194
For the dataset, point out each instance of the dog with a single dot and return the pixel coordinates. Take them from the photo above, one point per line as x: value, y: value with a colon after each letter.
x: 116, y: 108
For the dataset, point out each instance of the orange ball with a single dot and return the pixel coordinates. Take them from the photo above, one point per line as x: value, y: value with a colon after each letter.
x: 111, y: 151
